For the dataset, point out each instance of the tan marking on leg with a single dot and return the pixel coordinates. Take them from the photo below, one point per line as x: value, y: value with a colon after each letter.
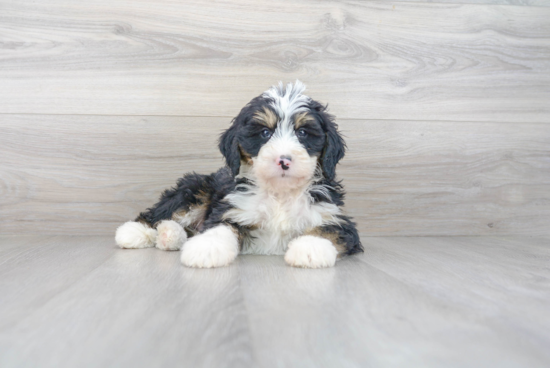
x: 332, y: 237
x: 193, y: 219
x: 203, y: 198
x: 179, y: 215
x: 240, y: 237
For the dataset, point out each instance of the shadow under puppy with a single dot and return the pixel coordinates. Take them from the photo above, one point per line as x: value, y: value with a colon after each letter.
x: 277, y: 195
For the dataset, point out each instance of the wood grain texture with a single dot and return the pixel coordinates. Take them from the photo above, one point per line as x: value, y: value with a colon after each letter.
x: 88, y: 174
x: 396, y: 307
x: 369, y: 60
x: 485, y: 2
x: 82, y: 302
x: 419, y: 302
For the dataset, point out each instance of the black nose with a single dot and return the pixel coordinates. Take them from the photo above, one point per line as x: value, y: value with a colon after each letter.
x: 283, y: 166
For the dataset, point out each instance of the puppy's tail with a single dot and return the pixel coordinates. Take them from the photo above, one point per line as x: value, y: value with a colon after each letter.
x: 135, y: 235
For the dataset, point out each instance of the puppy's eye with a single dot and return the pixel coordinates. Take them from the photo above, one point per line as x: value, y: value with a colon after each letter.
x: 301, y: 133
x: 266, y: 133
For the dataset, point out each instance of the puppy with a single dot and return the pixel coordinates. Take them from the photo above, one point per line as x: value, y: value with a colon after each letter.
x: 277, y: 195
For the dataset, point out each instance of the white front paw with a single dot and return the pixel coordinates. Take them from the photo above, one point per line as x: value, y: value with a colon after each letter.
x: 170, y: 235
x: 215, y: 247
x: 311, y: 252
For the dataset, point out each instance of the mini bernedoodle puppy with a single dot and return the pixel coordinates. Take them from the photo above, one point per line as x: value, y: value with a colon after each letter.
x: 277, y: 195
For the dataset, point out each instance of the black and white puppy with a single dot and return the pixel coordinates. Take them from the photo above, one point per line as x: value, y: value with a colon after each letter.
x: 277, y: 195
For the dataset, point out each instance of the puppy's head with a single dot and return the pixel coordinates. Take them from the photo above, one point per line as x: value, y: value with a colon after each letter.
x: 282, y: 136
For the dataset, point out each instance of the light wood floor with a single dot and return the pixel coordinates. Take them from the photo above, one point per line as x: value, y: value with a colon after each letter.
x: 412, y: 302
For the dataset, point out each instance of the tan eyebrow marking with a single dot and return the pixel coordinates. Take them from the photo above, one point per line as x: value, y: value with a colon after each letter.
x: 302, y: 119
x: 266, y: 117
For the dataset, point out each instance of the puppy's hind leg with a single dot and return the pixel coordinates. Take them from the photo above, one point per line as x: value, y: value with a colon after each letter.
x: 135, y: 235
x: 156, y: 226
x: 170, y: 235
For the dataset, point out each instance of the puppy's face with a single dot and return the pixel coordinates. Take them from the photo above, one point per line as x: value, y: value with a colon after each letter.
x: 282, y: 136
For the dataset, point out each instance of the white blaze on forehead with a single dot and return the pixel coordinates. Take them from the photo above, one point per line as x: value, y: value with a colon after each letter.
x: 287, y: 102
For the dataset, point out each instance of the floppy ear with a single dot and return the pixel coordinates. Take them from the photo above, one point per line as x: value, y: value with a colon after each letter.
x: 229, y: 147
x: 335, y: 147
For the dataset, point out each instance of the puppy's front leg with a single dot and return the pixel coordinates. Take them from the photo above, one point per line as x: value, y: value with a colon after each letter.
x: 216, y: 247
x: 310, y: 251
x: 319, y: 247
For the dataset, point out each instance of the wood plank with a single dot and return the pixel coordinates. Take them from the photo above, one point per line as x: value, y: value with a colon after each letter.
x: 20, y: 255
x: 439, y: 178
x: 97, y: 170
x: 485, y: 2
x: 421, y: 302
x: 370, y: 311
x: 369, y: 60
x: 484, y: 275
x: 88, y: 174
x: 75, y: 301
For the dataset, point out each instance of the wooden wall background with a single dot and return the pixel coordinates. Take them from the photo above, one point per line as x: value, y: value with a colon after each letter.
x: 445, y: 105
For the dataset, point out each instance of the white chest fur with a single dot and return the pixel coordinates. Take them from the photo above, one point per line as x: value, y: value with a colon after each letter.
x: 275, y: 219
